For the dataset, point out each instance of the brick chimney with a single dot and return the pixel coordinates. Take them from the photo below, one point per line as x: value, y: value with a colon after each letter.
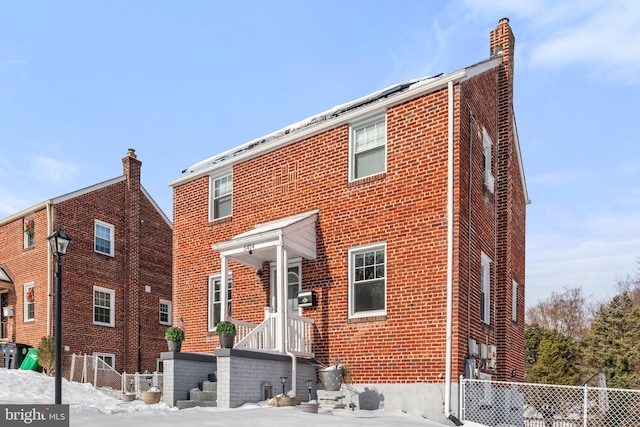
x: 132, y: 296
x: 509, y: 212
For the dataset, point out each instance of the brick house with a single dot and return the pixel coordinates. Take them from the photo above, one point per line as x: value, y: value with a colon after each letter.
x: 401, y: 213
x: 116, y: 274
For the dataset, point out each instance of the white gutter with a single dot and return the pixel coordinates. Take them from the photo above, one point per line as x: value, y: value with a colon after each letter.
x: 449, y: 332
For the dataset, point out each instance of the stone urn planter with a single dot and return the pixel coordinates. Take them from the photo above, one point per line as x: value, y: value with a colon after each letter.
x: 151, y: 397
x: 331, y: 378
x: 128, y: 397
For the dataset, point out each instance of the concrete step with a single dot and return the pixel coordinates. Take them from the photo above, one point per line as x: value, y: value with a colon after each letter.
x: 203, y: 396
x: 184, y: 404
x: 208, y: 386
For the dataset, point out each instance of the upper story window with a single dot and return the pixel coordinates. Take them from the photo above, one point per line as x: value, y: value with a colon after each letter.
x: 103, y: 240
x: 103, y: 306
x: 485, y: 288
x: 220, y: 196
x: 367, y: 281
x: 29, y: 231
x: 215, y: 299
x: 368, y: 148
x: 165, y: 312
x: 29, y: 302
x: 487, y: 147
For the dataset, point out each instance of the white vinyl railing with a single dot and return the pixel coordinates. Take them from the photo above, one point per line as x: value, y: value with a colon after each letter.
x: 262, y: 337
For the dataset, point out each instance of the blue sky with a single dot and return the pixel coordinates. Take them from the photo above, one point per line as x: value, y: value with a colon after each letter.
x: 180, y: 81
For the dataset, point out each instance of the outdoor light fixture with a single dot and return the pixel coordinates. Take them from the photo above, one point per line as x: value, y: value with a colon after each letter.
x: 284, y: 381
x: 59, y: 242
x: 309, y: 383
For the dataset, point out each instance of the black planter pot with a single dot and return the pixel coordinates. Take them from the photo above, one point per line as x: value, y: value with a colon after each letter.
x: 226, y: 341
x: 174, y: 345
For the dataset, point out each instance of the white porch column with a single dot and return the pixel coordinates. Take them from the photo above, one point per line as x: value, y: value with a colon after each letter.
x: 281, y: 278
x: 224, y: 264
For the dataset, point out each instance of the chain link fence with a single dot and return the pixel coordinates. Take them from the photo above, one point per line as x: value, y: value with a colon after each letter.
x: 506, y: 404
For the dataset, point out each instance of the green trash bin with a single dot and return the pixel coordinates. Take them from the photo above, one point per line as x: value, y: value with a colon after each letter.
x: 30, y: 362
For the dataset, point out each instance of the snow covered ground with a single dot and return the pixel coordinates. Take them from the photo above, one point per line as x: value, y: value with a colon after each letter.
x: 97, y: 408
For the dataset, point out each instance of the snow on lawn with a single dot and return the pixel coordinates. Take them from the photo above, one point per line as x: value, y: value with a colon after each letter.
x: 97, y: 408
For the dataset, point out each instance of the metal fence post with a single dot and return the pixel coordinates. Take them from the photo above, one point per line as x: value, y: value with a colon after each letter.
x: 585, y: 406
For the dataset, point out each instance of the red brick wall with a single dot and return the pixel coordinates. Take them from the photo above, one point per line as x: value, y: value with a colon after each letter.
x: 26, y: 265
x: 404, y: 207
x: 142, y: 258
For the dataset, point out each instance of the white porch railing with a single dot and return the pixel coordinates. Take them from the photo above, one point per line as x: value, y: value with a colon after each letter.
x: 262, y: 337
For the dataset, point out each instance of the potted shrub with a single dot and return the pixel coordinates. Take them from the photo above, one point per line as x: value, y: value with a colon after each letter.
x: 174, y: 337
x: 227, y: 332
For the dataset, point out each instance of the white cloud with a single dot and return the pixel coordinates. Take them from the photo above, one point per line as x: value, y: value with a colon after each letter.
x: 47, y: 169
x: 608, y: 40
x: 11, y: 203
x: 17, y: 61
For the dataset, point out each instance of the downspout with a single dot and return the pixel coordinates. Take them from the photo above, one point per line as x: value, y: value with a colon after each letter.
x: 449, y: 332
x: 49, y: 270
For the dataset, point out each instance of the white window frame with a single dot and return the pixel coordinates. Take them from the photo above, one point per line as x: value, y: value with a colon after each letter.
x: 27, y: 238
x: 514, y: 301
x: 487, y: 151
x: 112, y: 307
x: 26, y: 304
x: 485, y: 288
x: 212, y: 195
x: 353, y: 128
x: 213, y: 301
x: 166, y: 303
x: 352, y: 254
x: 102, y: 356
x: 111, y: 228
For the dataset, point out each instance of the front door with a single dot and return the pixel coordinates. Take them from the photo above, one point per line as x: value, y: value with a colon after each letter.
x: 294, y: 283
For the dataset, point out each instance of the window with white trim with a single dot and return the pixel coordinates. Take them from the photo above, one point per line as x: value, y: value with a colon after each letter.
x: 221, y: 196
x: 29, y: 231
x: 103, y: 238
x: 367, y: 281
x: 103, y: 306
x: 485, y: 288
x: 108, y: 359
x: 165, y: 312
x: 29, y: 302
x: 487, y: 174
x: 368, y: 148
x: 514, y: 301
x: 214, y: 299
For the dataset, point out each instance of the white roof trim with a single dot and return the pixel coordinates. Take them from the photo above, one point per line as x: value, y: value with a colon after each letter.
x: 297, y: 233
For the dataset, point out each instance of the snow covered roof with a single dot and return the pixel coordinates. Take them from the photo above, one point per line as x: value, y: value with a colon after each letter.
x: 336, y: 116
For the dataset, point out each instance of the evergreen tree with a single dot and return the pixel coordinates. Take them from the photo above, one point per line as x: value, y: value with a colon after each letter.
x: 613, y: 345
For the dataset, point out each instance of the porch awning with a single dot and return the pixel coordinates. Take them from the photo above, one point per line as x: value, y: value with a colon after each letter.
x: 296, y: 233
x: 5, y: 280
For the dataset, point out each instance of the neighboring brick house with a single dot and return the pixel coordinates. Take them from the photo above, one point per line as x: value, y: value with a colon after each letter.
x: 404, y: 211
x: 116, y: 276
